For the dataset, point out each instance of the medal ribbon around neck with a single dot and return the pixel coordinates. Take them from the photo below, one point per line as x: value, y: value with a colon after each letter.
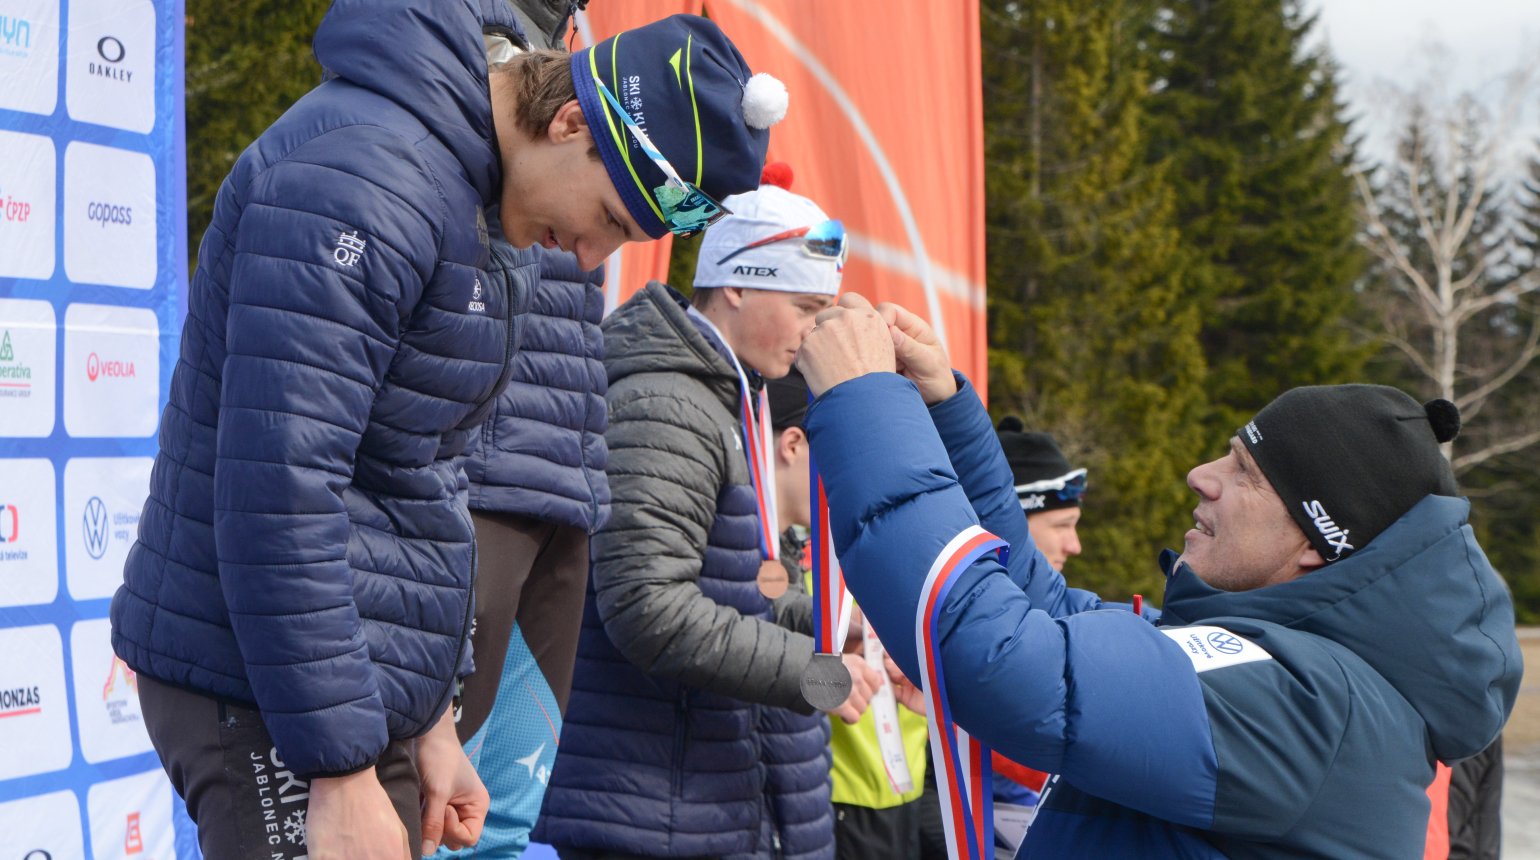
x: 963, y: 774
x: 757, y: 445
x: 831, y: 602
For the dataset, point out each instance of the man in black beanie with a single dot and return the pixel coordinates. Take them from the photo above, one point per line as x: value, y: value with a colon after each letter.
x: 1050, y: 491
x: 1329, y: 633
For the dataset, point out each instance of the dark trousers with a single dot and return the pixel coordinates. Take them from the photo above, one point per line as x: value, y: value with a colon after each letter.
x: 535, y: 573
x: 861, y: 833
x: 585, y: 854
x: 246, y: 804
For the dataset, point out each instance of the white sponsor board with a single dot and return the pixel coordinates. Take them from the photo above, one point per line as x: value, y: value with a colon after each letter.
x: 109, y: 216
x: 29, y: 547
x: 46, y: 827
x: 131, y: 818
x: 106, y: 696
x: 29, y: 55
x: 110, y: 77
x: 1215, y: 647
x: 26, y: 200
x: 103, y: 497
x: 111, y: 371
x: 34, y: 713
x: 27, y: 329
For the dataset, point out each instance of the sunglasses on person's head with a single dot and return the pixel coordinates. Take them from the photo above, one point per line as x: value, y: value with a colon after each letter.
x: 1066, y: 487
x: 822, y: 241
x: 684, y: 209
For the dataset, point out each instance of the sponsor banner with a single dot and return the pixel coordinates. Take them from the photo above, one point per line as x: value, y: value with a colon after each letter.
x: 109, y: 216
x: 106, y: 696
x: 111, y: 371
x: 110, y: 74
x: 103, y: 498
x: 26, y: 199
x: 34, y: 713
x: 1215, y: 647
x: 26, y: 367
x: 46, y: 827
x: 131, y: 818
x: 29, y: 55
x: 29, y: 554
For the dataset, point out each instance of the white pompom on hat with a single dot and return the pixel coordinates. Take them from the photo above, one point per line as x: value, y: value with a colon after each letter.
x: 764, y: 101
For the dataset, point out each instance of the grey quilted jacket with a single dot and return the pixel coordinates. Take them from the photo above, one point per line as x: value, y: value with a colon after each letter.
x: 669, y: 748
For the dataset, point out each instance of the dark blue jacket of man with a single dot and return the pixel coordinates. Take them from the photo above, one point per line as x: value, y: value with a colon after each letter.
x: 306, y: 544
x: 1297, y: 720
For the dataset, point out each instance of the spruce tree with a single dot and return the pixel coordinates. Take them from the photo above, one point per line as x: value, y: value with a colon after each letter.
x: 1248, y: 119
x: 1092, y: 336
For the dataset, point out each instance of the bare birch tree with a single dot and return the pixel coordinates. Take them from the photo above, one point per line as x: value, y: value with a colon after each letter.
x: 1454, y: 298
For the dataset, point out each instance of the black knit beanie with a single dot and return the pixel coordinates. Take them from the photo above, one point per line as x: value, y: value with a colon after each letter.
x: 1039, y: 468
x: 1350, y: 460
x: 788, y: 400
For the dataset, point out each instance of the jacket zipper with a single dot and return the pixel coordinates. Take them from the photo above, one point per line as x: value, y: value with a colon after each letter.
x: 681, y: 737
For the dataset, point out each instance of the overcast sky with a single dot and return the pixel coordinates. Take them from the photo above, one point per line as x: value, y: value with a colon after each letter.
x: 1383, y: 43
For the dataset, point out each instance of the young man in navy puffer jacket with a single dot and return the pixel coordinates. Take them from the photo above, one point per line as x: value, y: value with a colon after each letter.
x: 298, y: 602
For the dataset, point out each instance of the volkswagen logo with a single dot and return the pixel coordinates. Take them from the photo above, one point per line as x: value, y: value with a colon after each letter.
x: 1224, y: 643
x: 110, y: 49
x: 93, y: 527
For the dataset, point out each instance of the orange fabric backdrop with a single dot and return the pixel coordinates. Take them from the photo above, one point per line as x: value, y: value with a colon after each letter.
x: 885, y: 132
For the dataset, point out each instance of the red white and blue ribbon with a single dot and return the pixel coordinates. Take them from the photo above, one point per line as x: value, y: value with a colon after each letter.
x: 758, y: 445
x: 962, y: 763
x: 831, y: 602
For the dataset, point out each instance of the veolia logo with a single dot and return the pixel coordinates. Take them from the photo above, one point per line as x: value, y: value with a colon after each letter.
x: 93, y: 527
x: 97, y: 367
x: 10, y: 524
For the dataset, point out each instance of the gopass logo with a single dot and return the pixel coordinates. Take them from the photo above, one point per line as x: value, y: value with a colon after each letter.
x: 102, y: 368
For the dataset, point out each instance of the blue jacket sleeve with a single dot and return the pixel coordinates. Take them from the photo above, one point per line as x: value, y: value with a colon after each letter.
x: 311, y: 333
x: 1058, y: 695
x: 984, y: 474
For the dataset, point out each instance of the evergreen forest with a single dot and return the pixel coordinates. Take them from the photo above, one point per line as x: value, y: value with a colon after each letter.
x: 1177, y: 233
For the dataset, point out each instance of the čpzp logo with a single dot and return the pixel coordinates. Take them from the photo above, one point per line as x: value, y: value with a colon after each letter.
x: 1224, y: 643
x: 93, y: 526
x: 349, y: 248
x: 1334, y: 534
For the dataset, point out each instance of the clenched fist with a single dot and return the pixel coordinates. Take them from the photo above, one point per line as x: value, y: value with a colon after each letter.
x: 850, y: 340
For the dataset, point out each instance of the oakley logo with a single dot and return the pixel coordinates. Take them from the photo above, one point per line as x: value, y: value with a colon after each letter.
x: 110, y: 49
x: 756, y: 271
x: 349, y: 248
x: 1253, y: 433
x: 1334, y: 534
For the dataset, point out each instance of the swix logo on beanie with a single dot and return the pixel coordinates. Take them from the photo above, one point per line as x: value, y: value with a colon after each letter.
x: 1334, y: 534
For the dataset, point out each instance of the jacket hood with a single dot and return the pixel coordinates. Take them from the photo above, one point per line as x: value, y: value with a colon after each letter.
x: 1420, y: 604
x: 428, y: 57
x: 654, y: 332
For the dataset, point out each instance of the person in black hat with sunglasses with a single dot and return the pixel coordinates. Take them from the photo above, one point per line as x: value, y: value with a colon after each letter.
x: 1049, y: 490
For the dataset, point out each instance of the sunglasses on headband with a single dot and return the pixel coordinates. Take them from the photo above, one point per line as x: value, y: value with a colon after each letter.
x: 822, y: 241
x: 1066, y: 487
x: 685, y: 209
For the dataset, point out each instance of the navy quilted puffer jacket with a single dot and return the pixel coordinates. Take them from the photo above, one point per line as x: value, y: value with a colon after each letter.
x: 680, y: 738
x: 541, y: 454
x: 306, y: 545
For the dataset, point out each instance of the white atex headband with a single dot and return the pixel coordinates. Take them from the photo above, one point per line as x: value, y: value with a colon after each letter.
x: 726, y: 260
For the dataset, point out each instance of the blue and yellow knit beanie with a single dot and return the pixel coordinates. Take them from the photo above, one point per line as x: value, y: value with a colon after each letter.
x: 687, y: 87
